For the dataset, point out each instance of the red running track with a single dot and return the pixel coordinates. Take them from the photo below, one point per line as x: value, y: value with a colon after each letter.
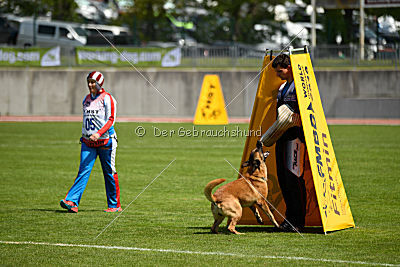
x: 187, y: 120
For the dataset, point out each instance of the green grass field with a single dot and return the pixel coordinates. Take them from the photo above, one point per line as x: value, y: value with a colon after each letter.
x: 39, y: 161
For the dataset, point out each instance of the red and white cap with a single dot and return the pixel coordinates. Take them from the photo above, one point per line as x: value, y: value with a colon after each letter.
x: 97, y: 76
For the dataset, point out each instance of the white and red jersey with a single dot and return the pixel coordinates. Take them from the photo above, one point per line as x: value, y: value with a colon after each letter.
x: 99, y: 114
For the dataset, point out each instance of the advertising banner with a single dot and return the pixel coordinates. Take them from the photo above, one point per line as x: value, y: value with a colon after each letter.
x: 39, y: 57
x: 141, y: 57
x: 332, y: 200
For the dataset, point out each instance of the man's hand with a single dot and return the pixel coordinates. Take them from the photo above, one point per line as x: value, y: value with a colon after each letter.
x: 94, y: 137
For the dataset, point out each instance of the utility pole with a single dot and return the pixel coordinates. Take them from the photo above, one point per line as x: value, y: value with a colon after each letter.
x: 34, y: 24
x: 313, y: 21
x: 361, y: 30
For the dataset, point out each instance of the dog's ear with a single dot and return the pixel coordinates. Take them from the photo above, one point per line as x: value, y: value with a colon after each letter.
x: 246, y: 164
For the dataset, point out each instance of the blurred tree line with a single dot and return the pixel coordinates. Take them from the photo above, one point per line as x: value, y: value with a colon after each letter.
x: 59, y: 9
x: 221, y: 20
x: 234, y: 20
x: 345, y: 22
x: 207, y: 21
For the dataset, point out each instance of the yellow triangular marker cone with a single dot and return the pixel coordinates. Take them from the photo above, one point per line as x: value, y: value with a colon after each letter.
x: 211, y: 106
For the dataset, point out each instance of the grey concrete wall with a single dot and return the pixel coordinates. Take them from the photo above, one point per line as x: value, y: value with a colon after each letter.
x: 358, y: 94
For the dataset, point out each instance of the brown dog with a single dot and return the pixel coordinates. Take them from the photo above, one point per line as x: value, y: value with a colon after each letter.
x: 229, y: 199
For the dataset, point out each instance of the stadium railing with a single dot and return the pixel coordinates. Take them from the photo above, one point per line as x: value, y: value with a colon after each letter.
x: 247, y: 56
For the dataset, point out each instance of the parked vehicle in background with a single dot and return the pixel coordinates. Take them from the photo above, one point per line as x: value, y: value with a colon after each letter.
x: 87, y: 10
x: 124, y: 5
x: 97, y: 11
x: 8, y: 32
x: 116, y: 34
x: 48, y: 33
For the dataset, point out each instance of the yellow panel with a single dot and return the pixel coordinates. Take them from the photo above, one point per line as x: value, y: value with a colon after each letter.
x: 211, y: 105
x: 264, y: 115
x: 332, y: 200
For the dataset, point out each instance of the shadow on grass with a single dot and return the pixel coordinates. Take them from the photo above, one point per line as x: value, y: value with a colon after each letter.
x: 64, y: 211
x: 206, y: 230
x: 259, y: 229
x: 224, y: 230
x: 270, y: 229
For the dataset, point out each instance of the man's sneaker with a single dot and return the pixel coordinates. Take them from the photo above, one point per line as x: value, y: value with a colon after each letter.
x: 69, y: 205
x: 73, y: 210
x: 113, y: 209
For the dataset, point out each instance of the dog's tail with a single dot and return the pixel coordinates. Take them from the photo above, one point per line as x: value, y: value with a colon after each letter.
x: 210, y: 186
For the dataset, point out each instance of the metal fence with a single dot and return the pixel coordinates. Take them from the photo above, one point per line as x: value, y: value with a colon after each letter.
x: 322, y: 56
x: 221, y: 56
x: 246, y: 56
x: 349, y: 56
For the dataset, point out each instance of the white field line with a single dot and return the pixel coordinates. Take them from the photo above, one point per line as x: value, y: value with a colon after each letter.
x: 202, y: 253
